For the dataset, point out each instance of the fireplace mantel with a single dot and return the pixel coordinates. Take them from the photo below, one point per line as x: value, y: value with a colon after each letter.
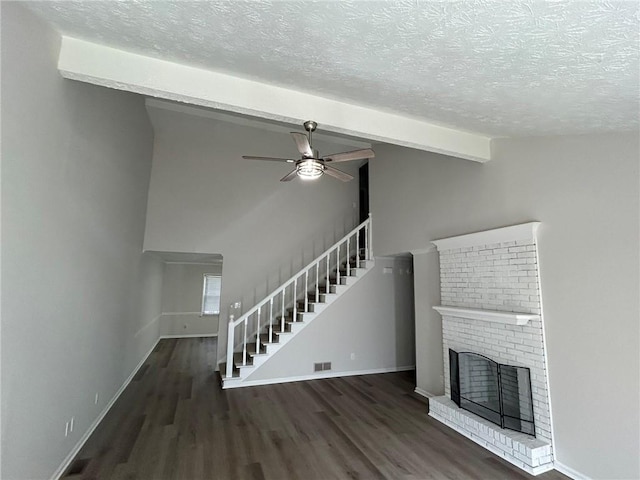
x: 524, y: 231
x: 509, y: 318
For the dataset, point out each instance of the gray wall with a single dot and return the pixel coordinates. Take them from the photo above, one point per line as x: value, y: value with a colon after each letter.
x: 429, y: 357
x: 79, y: 301
x: 584, y: 190
x: 182, y: 300
x: 205, y: 198
x: 373, y: 319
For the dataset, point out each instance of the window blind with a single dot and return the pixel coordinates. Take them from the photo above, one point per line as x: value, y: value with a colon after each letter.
x: 211, y: 295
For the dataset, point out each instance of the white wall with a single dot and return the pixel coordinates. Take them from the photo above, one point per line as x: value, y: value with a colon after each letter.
x: 182, y: 300
x: 205, y: 198
x: 373, y: 319
x: 80, y: 302
x: 584, y: 190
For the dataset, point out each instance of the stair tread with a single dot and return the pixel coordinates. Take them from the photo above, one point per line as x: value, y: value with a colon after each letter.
x: 251, y: 348
x: 237, y: 359
x: 223, y: 371
x: 311, y: 296
x: 264, y: 338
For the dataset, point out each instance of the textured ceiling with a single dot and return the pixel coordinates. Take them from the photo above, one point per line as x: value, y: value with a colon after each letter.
x: 499, y: 68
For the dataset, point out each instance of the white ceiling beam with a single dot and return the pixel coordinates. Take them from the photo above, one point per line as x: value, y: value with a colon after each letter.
x: 114, y: 68
x: 252, y: 122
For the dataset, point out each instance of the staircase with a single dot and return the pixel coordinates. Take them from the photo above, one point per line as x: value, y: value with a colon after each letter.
x: 256, y: 336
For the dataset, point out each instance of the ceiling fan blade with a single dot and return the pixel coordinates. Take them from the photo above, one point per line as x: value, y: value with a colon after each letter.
x: 289, y: 176
x: 272, y: 159
x: 302, y: 142
x: 353, y: 155
x: 340, y: 175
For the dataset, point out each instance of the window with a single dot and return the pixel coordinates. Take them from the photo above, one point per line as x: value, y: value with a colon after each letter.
x: 211, y: 295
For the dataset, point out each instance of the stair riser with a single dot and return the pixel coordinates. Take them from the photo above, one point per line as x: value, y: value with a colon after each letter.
x: 293, y: 328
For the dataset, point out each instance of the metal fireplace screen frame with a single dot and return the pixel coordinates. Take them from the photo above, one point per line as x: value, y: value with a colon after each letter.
x: 494, y: 391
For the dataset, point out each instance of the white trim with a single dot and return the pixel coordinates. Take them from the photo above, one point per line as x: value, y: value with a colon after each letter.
x: 211, y: 263
x: 570, y: 472
x: 239, y: 383
x: 509, y: 318
x: 147, y: 325
x: 424, y: 393
x: 190, y: 335
x: 420, y: 251
x: 114, y: 68
x: 524, y: 231
x: 188, y: 313
x: 74, y: 451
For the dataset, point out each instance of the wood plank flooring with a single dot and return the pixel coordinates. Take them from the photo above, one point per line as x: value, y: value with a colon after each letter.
x: 174, y: 422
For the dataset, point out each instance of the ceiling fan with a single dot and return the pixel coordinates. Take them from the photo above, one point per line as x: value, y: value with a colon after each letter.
x: 311, y: 165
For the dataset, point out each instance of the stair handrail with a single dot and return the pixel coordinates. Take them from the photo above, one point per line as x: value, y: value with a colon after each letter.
x: 233, y: 323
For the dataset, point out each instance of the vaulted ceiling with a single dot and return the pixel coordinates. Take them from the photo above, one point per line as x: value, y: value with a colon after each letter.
x: 400, y: 69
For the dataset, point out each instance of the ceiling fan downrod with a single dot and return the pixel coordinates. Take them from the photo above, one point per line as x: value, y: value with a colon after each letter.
x: 310, y: 126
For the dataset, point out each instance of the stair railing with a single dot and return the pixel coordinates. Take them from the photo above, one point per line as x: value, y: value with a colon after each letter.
x: 322, y: 268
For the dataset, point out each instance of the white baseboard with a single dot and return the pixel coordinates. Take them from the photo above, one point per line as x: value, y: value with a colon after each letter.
x: 190, y: 335
x: 569, y: 472
x: 74, y: 451
x: 147, y: 326
x: 424, y: 393
x: 314, y: 376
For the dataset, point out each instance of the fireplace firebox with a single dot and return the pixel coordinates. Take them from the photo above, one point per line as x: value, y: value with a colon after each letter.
x: 496, y: 392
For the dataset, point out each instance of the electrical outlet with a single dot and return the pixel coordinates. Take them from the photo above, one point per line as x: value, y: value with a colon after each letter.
x: 353, y: 356
x: 95, y: 402
x: 326, y: 366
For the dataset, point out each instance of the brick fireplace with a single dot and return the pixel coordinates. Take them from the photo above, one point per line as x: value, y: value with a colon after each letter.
x: 491, y: 306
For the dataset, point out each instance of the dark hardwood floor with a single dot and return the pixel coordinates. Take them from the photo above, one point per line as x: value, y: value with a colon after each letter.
x: 174, y: 422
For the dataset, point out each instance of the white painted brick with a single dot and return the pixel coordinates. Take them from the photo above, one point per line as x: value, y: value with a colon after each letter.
x: 526, y: 242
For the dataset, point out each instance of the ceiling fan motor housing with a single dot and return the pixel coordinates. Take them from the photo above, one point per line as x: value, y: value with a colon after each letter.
x: 311, y: 165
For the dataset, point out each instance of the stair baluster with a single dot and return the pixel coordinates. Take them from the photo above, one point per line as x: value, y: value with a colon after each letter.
x: 310, y: 292
x: 258, y: 330
x: 338, y: 265
x: 306, y: 291
x: 317, y: 282
x: 244, y: 345
x: 294, y: 299
x: 348, y: 258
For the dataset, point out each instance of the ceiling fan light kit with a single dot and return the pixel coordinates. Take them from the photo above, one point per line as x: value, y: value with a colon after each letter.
x: 309, y: 169
x: 311, y: 165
